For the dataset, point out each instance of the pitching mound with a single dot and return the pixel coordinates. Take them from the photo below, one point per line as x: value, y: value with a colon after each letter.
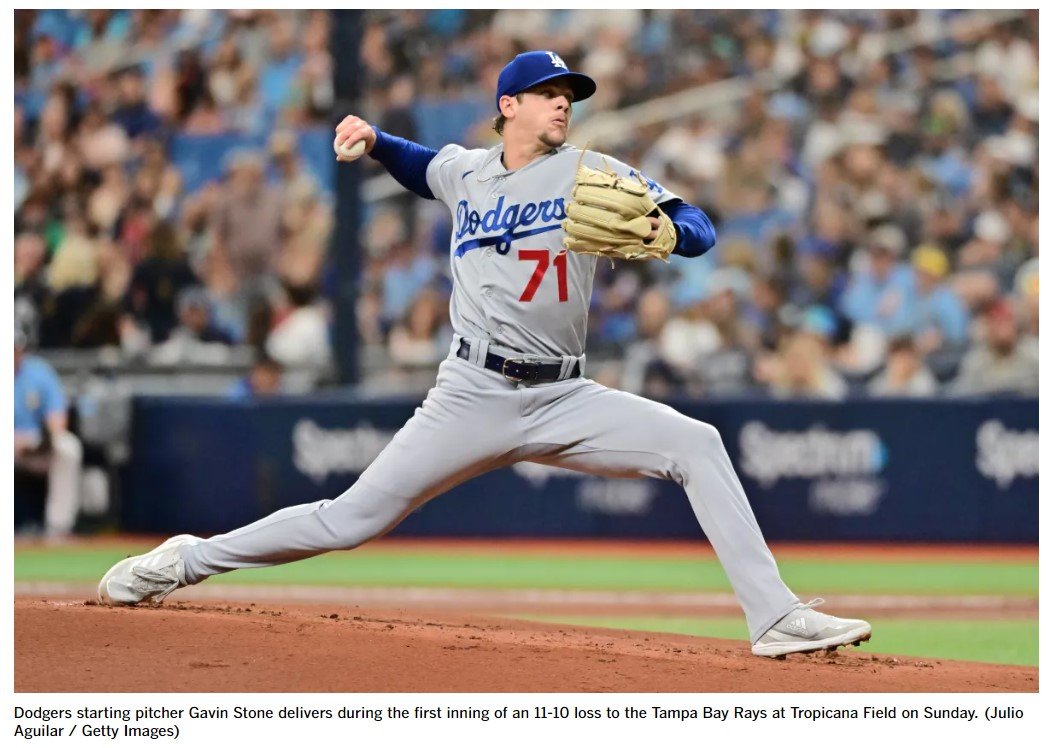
x: 70, y: 645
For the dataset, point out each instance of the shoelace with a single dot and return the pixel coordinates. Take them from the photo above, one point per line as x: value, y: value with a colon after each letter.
x: 812, y: 604
x: 166, y: 578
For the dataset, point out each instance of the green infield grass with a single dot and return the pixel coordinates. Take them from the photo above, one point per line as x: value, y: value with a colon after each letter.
x: 515, y: 569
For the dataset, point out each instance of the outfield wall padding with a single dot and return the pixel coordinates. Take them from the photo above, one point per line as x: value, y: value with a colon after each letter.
x: 941, y: 470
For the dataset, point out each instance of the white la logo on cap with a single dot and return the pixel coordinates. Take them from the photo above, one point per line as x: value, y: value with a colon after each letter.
x: 557, y: 61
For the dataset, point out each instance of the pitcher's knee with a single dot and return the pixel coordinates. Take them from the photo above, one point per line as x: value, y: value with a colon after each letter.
x: 702, y: 438
x: 687, y: 446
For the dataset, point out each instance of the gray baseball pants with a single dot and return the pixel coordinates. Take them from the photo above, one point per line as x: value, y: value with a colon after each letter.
x: 474, y: 421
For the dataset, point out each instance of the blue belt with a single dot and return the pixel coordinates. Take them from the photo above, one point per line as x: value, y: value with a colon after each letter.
x: 518, y: 370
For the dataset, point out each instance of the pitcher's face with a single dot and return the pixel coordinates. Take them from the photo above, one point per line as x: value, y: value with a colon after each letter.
x: 544, y: 113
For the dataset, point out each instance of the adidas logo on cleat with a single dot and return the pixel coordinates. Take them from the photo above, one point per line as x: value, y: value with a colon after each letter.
x: 798, y: 626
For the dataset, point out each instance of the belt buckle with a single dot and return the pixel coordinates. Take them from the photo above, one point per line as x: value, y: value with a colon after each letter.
x: 509, y: 377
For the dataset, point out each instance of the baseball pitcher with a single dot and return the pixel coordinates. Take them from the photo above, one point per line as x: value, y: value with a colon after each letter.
x: 532, y: 216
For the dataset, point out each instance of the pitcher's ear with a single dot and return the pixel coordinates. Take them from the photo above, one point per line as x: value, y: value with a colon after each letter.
x: 507, y: 104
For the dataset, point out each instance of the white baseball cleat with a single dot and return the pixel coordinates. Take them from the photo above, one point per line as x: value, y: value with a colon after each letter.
x: 806, y: 630
x: 147, y: 578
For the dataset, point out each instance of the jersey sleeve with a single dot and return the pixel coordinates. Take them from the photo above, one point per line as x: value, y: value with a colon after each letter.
x: 695, y: 233
x: 444, y: 173
x: 52, y: 397
x: 657, y: 192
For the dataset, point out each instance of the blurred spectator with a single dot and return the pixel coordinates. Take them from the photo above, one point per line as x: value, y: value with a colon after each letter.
x: 73, y: 288
x: 190, y: 83
x: 156, y: 282
x: 839, y: 141
x: 206, y: 118
x: 313, y: 91
x: 988, y: 254
x: 108, y: 202
x: 300, y: 337
x: 726, y: 370
x: 42, y: 441
x: 290, y: 172
x: 101, y: 141
x: 612, y: 311
x: 265, y: 379
x: 248, y: 221
x: 939, y: 319
x: 804, y: 371
x: 991, y: 108
x: 938, y: 315
x: 820, y: 282
x: 768, y: 296
x: 1027, y: 287
x: 101, y: 100
x: 1004, y: 362
x: 653, y: 310
x: 405, y: 270
x: 754, y: 213
x: 880, y: 292
x: 803, y: 368
x: 417, y: 341
x: 687, y: 337
x: 30, y: 252
x: 308, y: 221
x: 247, y: 114
x: 397, y: 116
x: 196, y: 339
x: 877, y: 300
x: 905, y: 374
x: 276, y: 78
x: 132, y: 111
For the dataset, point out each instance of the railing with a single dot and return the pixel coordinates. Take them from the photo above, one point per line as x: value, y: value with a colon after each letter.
x: 110, y: 370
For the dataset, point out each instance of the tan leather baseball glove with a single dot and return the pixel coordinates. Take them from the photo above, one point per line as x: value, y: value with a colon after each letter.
x: 607, y: 216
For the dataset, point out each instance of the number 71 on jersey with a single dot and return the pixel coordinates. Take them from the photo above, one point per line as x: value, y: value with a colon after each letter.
x: 543, y: 258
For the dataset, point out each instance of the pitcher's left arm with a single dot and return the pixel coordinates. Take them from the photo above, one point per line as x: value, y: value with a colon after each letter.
x: 694, y: 230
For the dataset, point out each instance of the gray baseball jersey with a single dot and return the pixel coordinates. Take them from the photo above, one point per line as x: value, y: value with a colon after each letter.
x: 517, y: 292
x: 514, y: 284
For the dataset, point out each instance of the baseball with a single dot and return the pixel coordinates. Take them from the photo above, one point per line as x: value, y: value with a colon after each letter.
x: 353, y: 151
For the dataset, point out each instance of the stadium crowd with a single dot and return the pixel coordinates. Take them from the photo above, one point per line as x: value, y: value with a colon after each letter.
x: 876, y: 205
x: 875, y: 201
x: 110, y: 247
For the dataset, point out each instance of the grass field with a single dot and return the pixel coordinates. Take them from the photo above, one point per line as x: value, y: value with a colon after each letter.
x: 988, y: 634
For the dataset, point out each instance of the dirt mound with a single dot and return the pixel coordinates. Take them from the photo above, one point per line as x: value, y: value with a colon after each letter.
x: 73, y: 646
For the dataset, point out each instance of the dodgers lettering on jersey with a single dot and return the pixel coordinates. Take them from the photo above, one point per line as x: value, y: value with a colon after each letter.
x: 514, y: 284
x: 468, y: 222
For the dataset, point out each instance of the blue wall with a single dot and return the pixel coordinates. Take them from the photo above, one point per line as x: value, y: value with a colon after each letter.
x: 204, y: 158
x: 873, y: 470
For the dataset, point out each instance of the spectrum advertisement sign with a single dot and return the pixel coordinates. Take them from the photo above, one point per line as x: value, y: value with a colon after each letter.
x: 948, y: 470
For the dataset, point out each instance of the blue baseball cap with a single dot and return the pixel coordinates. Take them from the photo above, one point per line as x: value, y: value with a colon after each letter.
x: 531, y: 68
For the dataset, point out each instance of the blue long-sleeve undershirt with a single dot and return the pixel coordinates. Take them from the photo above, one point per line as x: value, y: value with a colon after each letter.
x: 695, y: 233
x: 405, y: 160
x: 408, y: 162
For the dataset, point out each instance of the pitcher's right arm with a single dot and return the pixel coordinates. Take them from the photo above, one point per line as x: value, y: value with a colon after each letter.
x: 404, y: 159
